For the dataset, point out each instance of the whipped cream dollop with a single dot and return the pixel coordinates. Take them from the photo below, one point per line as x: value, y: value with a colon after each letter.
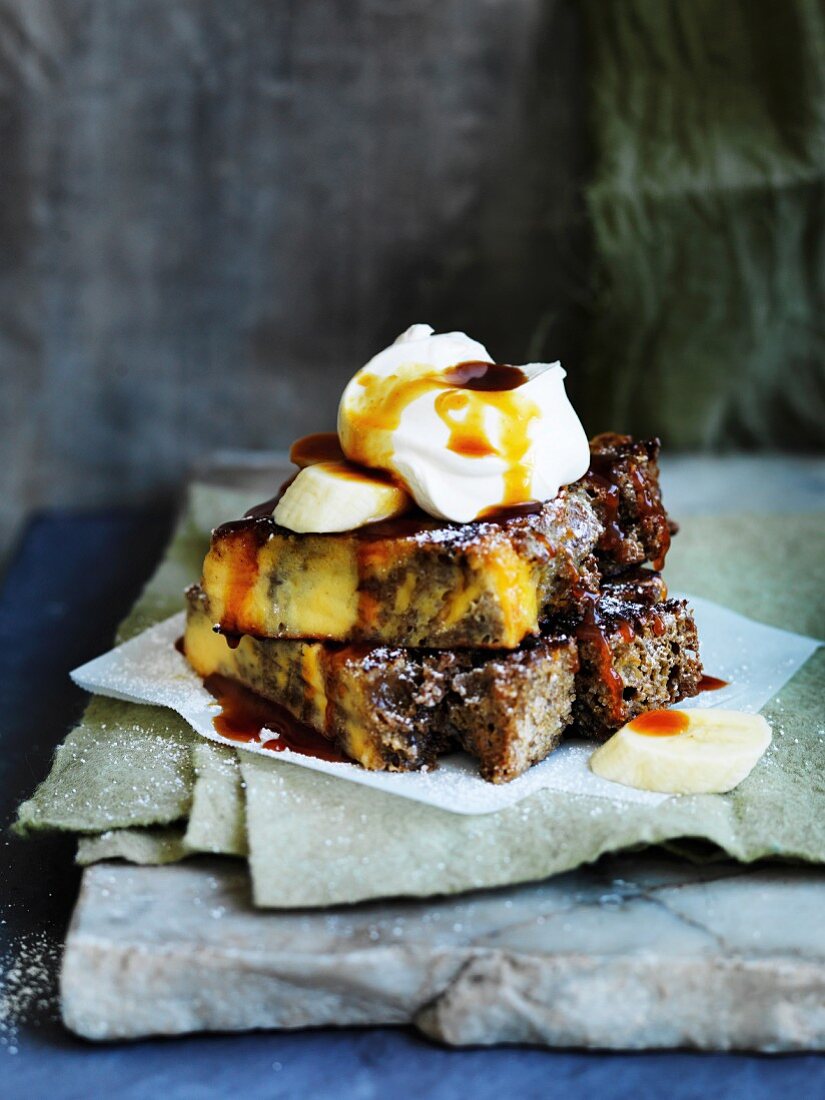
x: 464, y: 435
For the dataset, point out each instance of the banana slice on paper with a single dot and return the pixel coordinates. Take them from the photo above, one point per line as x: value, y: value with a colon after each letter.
x: 684, y: 751
x: 337, y: 496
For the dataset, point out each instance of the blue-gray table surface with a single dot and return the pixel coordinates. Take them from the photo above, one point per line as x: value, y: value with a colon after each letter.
x: 72, y: 578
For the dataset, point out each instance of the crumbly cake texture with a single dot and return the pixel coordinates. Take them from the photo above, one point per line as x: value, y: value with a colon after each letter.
x: 394, y: 708
x: 420, y: 582
x: 636, y: 653
x: 398, y: 709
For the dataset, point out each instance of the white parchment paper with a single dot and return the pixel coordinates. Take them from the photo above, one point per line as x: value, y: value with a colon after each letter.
x: 757, y: 660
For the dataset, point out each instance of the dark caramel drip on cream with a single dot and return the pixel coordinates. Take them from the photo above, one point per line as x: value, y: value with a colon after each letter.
x: 475, y: 374
x: 244, y: 715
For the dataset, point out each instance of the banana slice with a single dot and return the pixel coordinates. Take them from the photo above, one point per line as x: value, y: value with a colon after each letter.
x: 684, y: 751
x: 337, y: 496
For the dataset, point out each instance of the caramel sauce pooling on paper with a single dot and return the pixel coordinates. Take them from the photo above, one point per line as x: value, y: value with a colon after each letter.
x: 244, y: 715
x: 711, y: 683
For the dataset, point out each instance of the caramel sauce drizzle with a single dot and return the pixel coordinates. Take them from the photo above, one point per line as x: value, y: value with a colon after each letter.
x: 465, y: 419
x: 325, y: 447
x: 477, y: 375
x: 241, y: 580
x: 351, y: 471
x: 660, y: 723
x: 613, y: 537
x: 468, y: 392
x: 244, y: 715
x: 592, y: 631
x: 648, y: 506
x: 626, y: 631
x: 318, y: 447
x: 652, y: 511
x: 500, y: 513
x: 658, y: 624
x: 334, y: 659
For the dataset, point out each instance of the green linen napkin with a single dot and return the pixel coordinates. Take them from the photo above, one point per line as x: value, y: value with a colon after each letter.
x: 770, y: 568
x: 124, y: 766
x: 217, y: 820
x: 216, y: 823
x: 315, y: 840
x: 148, y: 846
x: 127, y: 765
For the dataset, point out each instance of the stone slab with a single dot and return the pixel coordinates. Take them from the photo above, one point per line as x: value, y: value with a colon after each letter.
x: 634, y: 953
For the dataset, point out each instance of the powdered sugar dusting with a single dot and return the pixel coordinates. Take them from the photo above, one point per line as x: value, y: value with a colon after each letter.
x: 28, y: 985
x: 757, y: 659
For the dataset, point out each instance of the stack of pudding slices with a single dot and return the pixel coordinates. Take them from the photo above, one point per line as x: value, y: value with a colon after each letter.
x: 412, y: 637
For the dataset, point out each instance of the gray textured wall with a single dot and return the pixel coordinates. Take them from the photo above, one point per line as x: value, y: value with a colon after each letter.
x: 212, y: 211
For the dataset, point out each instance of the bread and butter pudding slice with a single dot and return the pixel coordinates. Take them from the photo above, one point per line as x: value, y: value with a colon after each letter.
x: 397, y: 709
x: 455, y: 567
x: 418, y: 581
x: 412, y: 581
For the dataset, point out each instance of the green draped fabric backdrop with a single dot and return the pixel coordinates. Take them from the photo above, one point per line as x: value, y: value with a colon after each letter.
x: 707, y: 208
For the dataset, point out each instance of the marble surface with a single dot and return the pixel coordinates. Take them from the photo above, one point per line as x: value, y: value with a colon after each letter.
x: 60, y: 613
x: 632, y: 953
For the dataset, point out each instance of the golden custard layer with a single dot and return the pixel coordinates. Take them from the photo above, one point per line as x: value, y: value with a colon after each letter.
x: 410, y: 581
x: 415, y: 581
x: 398, y: 709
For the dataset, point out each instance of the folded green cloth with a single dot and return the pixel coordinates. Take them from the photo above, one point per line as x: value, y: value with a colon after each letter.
x: 315, y: 840
x: 127, y: 765
x: 150, y: 846
x: 216, y: 822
